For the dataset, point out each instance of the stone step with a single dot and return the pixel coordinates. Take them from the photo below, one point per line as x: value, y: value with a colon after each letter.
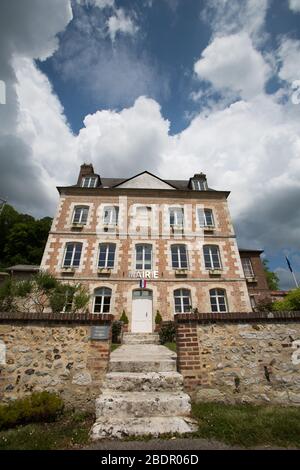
x: 140, y: 338
x: 154, y: 426
x: 142, y: 404
x: 150, y: 381
x: 154, y: 365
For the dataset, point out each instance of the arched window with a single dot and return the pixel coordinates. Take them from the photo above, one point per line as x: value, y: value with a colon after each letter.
x: 111, y: 215
x: 72, y: 254
x: 179, y: 256
x: 80, y: 214
x: 102, y: 298
x: 212, y: 258
x: 143, y: 256
x: 182, y: 300
x: 218, y: 300
x: 106, y: 255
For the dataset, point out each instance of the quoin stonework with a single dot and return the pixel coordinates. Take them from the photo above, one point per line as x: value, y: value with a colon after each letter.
x: 145, y: 244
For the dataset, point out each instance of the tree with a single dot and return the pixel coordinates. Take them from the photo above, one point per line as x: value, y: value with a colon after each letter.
x: 272, y: 278
x: 290, y: 303
x: 22, y: 238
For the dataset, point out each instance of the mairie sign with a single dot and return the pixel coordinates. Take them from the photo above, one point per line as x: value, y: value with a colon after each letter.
x: 144, y: 274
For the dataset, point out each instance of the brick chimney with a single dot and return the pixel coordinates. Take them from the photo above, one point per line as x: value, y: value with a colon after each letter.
x: 86, y: 169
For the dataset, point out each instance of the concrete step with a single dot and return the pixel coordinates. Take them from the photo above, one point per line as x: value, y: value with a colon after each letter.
x: 140, y: 338
x: 154, y: 426
x: 167, y: 365
x: 149, y: 381
x: 141, y: 404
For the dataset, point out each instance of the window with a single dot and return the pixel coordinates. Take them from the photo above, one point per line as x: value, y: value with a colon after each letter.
x: 176, y: 216
x: 106, y: 255
x: 247, y: 267
x: 102, y: 300
x: 218, y: 300
x: 179, y: 256
x: 72, y: 255
x: 143, y: 256
x: 199, y: 185
x: 111, y: 215
x: 80, y: 214
x: 205, y: 217
x: 89, y: 181
x: 182, y: 301
x: 143, y: 216
x: 253, y: 301
x: 212, y: 257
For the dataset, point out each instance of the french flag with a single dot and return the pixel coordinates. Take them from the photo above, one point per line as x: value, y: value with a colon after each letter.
x: 143, y: 283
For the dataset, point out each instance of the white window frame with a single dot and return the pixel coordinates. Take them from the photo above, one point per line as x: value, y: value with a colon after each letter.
x: 180, y: 261
x: 199, y: 185
x: 176, y: 211
x: 143, y: 245
x: 82, y: 209
x: 181, y: 297
x: 107, y: 246
x: 217, y: 296
x: 113, y: 218
x: 248, y: 269
x: 92, y: 181
x: 143, y: 216
x: 71, y: 265
x: 203, y: 212
x: 212, y: 265
x: 102, y: 299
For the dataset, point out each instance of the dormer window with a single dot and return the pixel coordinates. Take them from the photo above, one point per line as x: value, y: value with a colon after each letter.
x: 199, y: 185
x: 198, y: 182
x: 89, y: 181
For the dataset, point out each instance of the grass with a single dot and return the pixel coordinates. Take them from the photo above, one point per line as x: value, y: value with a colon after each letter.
x: 69, y: 432
x: 248, y: 425
x: 171, y: 346
x: 114, y: 346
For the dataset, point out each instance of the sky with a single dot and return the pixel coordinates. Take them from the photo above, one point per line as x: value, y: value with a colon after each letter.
x: 175, y: 87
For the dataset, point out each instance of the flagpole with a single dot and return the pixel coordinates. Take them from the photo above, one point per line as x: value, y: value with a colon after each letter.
x: 296, y: 282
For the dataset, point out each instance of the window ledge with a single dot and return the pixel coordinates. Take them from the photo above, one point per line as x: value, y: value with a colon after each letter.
x: 104, y: 271
x: 181, y: 272
x: 208, y: 228
x: 215, y: 272
x: 68, y: 269
x: 251, y: 279
x: 77, y: 225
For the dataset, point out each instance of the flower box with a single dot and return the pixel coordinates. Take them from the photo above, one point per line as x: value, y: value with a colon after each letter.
x: 215, y: 272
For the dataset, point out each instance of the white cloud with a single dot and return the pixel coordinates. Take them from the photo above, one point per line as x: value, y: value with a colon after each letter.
x: 294, y: 5
x: 233, y: 16
x: 289, y: 58
x: 231, y: 62
x: 120, y: 23
x: 98, y: 3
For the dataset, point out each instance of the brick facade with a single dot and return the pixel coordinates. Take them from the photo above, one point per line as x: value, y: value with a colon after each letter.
x: 197, y: 278
x: 257, y: 285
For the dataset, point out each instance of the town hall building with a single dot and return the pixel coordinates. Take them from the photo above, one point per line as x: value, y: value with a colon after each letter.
x: 144, y: 244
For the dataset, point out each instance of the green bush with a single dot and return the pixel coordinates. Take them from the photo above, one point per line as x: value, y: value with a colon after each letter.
x: 167, y: 333
x: 116, y: 331
x: 291, y: 302
x: 124, y: 318
x: 38, y: 407
x: 158, y: 318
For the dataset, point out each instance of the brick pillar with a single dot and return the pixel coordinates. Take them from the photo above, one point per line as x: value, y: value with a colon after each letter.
x: 188, y: 354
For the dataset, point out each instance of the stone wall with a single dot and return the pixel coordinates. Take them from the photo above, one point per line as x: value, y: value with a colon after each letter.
x: 57, y: 354
x: 240, y: 358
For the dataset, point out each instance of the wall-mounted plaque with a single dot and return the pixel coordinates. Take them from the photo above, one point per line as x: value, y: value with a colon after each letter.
x: 100, y: 332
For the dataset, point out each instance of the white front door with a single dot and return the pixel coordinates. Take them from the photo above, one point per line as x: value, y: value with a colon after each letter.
x: 141, y: 311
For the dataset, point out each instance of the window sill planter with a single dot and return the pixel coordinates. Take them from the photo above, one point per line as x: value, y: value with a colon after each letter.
x: 181, y: 272
x: 209, y: 228
x: 215, y: 272
x: 77, y: 225
x: 251, y: 279
x: 176, y: 228
x: 104, y: 271
x: 68, y: 269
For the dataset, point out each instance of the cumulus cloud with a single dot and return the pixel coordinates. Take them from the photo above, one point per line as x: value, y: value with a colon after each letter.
x: 231, y: 62
x: 289, y: 59
x: 27, y: 29
x: 120, y: 23
x: 294, y: 5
